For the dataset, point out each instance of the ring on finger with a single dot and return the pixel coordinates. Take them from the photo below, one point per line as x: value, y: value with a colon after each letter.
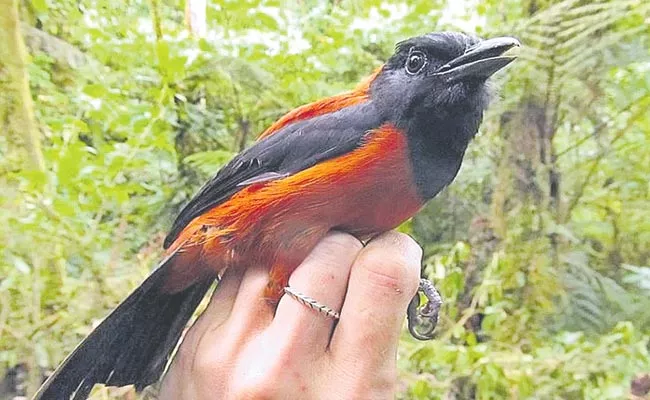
x: 312, y: 303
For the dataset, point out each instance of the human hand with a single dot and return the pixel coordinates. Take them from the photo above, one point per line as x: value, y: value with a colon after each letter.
x: 238, y: 349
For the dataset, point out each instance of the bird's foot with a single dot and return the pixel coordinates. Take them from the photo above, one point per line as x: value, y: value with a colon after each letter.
x: 422, y: 320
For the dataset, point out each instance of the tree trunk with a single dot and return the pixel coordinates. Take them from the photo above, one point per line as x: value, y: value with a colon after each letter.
x: 16, y: 107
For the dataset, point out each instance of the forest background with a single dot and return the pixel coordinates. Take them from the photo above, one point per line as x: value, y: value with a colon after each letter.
x: 113, y: 113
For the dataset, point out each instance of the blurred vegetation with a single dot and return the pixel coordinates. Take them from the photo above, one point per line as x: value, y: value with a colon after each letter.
x: 114, y: 113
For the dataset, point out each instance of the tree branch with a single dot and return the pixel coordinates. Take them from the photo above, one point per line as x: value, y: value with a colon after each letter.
x: 596, y: 160
x: 600, y: 127
x: 61, y: 51
x: 155, y: 16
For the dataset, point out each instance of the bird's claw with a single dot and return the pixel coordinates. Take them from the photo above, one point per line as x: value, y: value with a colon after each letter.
x: 422, y: 321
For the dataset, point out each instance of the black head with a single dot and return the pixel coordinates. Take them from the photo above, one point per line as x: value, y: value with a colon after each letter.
x: 437, y: 78
x: 434, y: 89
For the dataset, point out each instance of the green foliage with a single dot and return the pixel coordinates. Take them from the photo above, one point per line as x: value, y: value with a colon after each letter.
x: 540, y: 247
x: 565, y: 366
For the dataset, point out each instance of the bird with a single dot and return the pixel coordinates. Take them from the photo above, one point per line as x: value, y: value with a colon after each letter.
x: 361, y: 162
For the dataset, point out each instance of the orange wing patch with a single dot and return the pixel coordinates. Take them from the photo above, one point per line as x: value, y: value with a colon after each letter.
x: 364, y: 192
x: 378, y: 170
x: 324, y: 106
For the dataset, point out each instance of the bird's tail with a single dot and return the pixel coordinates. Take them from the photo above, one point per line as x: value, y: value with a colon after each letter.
x: 132, y: 345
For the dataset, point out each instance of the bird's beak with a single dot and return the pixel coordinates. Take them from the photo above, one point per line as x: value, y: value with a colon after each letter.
x: 480, y: 61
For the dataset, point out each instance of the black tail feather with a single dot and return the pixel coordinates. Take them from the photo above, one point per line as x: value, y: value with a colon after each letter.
x: 132, y: 345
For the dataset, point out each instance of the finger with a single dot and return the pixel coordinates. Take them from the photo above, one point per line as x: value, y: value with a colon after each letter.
x: 219, y: 343
x: 251, y: 312
x: 383, y: 280
x: 198, y: 340
x: 221, y: 302
x: 324, y: 277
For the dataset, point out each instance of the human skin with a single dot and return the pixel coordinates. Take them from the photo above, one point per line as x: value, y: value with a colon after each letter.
x: 240, y: 349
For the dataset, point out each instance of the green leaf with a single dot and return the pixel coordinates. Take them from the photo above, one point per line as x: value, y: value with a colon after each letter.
x: 162, y: 52
x: 40, y: 6
x: 264, y: 20
x: 95, y: 90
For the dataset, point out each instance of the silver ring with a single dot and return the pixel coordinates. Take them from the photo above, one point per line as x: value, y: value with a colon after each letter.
x: 311, y: 303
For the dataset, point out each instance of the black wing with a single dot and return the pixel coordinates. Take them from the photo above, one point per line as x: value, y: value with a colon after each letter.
x: 292, y: 149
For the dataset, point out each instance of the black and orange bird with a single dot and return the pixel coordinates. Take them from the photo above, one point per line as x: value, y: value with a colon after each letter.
x: 361, y: 162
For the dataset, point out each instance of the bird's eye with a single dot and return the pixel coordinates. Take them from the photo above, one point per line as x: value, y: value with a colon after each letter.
x: 415, y: 62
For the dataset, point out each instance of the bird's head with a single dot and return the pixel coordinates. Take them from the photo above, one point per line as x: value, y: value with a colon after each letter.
x: 440, y: 77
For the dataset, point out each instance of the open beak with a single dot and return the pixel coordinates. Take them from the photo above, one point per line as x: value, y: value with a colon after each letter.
x: 480, y: 61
